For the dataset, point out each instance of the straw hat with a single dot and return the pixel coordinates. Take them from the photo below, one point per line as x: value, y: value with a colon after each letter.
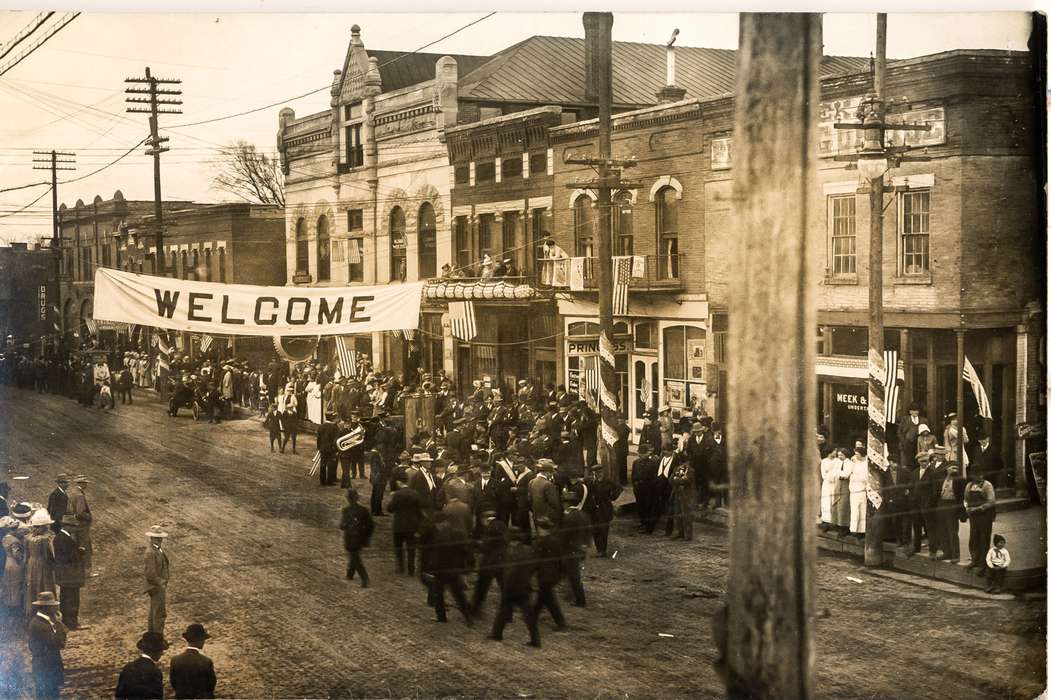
x: 156, y: 531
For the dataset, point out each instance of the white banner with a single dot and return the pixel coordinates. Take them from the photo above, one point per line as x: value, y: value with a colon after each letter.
x: 241, y: 309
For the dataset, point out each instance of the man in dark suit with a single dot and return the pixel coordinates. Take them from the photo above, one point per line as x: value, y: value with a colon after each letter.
x: 58, y: 502
x: 697, y: 449
x: 718, y: 471
x: 69, y: 573
x: 908, y: 434
x: 602, y: 492
x: 988, y: 458
x: 926, y: 483
x: 192, y: 674
x: 485, y: 495
x: 492, y: 544
x: 644, y: 485
x: 142, y: 678
x: 46, y: 636
x: 357, y: 526
x: 425, y: 483
x: 516, y: 573
x: 520, y: 492
x: 326, y: 446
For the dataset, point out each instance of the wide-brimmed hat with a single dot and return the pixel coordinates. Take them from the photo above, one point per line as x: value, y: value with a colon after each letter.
x: 40, y: 518
x: 151, y: 643
x: 46, y: 599
x: 156, y: 531
x: 62, y: 478
x: 697, y: 428
x: 422, y: 457
x: 81, y: 479
x: 545, y: 465
x: 21, y: 511
x: 664, y: 407
x: 923, y: 429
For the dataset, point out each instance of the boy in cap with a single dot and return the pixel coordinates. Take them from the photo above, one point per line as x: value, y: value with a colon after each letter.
x: 192, y: 674
x: 357, y: 525
x: 142, y: 678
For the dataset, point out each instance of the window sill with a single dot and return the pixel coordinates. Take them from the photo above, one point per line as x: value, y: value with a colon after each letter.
x: 835, y: 280
x: 922, y: 280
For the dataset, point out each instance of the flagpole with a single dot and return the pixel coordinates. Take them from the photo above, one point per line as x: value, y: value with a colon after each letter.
x: 959, y: 396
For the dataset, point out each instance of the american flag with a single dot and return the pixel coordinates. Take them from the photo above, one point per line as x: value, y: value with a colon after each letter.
x: 405, y: 334
x: 315, y: 464
x: 461, y: 319
x: 206, y: 342
x: 985, y: 410
x: 591, y: 388
x: 647, y: 391
x: 621, y: 279
x: 165, y: 351
x: 347, y: 360
x: 890, y: 364
x: 93, y: 328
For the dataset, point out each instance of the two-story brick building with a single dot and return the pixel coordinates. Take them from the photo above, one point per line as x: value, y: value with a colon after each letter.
x: 28, y: 297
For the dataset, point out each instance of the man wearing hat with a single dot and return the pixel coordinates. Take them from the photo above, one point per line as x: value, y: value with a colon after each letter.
x: 424, y: 483
x: 603, y: 492
x: 69, y: 572
x: 697, y: 449
x: 543, y: 494
x: 664, y: 502
x: 909, y: 433
x: 46, y: 636
x: 157, y: 579
x: 517, y: 567
x: 81, y: 526
x: 142, y: 678
x: 327, y: 433
x: 357, y: 526
x: 524, y: 476
x: 405, y: 507
x: 58, y: 501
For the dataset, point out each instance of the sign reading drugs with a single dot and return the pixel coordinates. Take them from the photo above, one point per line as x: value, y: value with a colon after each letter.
x: 241, y: 309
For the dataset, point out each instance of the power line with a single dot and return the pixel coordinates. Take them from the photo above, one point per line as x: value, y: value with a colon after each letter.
x: 4, y: 216
x: 329, y: 86
x: 49, y: 33
x: 26, y: 32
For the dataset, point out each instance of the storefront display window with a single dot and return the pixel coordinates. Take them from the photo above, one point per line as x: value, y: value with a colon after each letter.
x: 684, y: 366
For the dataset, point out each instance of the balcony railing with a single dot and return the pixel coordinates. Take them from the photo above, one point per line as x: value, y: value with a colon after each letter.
x: 653, y: 272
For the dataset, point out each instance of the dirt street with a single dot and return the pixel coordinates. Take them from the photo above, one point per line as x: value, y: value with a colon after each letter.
x: 256, y: 557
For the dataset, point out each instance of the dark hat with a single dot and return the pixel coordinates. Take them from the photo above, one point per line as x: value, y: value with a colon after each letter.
x: 706, y: 420
x: 644, y: 448
x: 716, y: 426
x: 45, y: 599
x: 196, y: 633
x: 152, y: 642
x: 22, y: 510
x: 914, y: 406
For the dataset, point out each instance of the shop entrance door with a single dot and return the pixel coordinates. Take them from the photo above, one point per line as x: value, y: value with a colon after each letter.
x: 644, y: 391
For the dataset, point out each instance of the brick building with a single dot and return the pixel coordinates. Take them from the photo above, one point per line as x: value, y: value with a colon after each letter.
x: 28, y: 296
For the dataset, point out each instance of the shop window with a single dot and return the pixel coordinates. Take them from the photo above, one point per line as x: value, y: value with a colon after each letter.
x: 668, y: 233
x: 684, y: 365
x: 537, y: 235
x: 397, y: 244
x: 914, y: 227
x: 583, y: 328
x: 720, y: 338
x: 623, y: 236
x: 485, y: 235
x: 324, y: 250
x: 646, y: 336
x: 849, y: 340
x: 428, y: 242
x: 919, y: 385
x: 355, y: 219
x: 356, y: 259
x: 843, y: 227
x: 538, y: 163
x: 462, y: 238
x: 584, y: 224
x: 302, y: 248
x: 208, y: 264
x: 919, y: 344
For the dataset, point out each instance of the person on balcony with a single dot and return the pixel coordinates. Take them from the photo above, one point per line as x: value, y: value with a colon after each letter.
x: 554, y: 274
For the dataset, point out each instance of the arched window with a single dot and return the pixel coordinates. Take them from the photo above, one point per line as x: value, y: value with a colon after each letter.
x: 196, y: 265
x: 208, y: 264
x: 302, y: 248
x: 185, y: 265
x: 584, y: 226
x: 623, y: 230
x: 668, y: 233
x: 324, y: 260
x: 428, y: 242
x: 584, y: 328
x: 397, y: 244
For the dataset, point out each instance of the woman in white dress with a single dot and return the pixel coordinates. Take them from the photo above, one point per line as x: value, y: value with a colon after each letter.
x: 951, y: 437
x: 858, y: 482
x: 830, y: 467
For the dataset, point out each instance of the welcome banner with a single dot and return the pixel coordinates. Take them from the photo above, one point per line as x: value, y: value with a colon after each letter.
x: 242, y: 309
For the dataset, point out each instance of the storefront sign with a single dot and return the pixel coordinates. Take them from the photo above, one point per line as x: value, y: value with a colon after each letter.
x: 240, y: 309
x: 851, y: 400
x: 590, y: 347
x: 833, y: 141
x: 722, y: 153
x: 1028, y: 431
x: 42, y: 297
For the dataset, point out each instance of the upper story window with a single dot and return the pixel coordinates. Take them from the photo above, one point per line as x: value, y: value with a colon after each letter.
x: 485, y: 235
x: 914, y: 227
x: 397, y: 245
x: 843, y: 227
x: 355, y: 219
x: 324, y: 250
x: 584, y: 226
x: 538, y: 163
x: 511, y: 167
x: 462, y: 242
x: 485, y: 172
x: 428, y: 242
x: 355, y: 150
x: 668, y: 233
x: 462, y: 174
x: 302, y: 248
x: 623, y: 242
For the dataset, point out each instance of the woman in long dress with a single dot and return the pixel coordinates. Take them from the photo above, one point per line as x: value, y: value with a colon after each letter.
x: 40, y: 560
x: 951, y: 437
x: 841, y: 496
x: 830, y: 467
x: 14, y: 567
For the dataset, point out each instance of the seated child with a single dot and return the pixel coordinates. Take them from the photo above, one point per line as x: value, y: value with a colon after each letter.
x: 998, y: 559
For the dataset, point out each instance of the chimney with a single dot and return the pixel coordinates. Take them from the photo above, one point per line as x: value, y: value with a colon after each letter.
x: 670, y: 93
x: 592, y: 31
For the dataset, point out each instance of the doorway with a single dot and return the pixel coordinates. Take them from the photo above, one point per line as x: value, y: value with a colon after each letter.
x: 645, y: 386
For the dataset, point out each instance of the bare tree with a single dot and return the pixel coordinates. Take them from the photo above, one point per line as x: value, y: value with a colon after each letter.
x: 249, y: 174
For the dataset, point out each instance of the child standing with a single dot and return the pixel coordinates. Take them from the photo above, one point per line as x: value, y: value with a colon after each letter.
x: 272, y: 423
x: 998, y: 559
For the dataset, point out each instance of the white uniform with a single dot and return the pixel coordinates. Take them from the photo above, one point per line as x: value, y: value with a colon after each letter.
x: 830, y: 467
x: 859, y: 481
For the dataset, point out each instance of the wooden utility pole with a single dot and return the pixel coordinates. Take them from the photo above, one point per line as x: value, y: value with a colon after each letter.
x: 154, y: 106
x: 599, y: 25
x: 773, y: 455
x: 55, y: 161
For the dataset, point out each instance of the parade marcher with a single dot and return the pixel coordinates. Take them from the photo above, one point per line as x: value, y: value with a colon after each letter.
x: 574, y: 536
x: 665, y: 501
x: 326, y: 447
x: 979, y: 499
x: 46, y: 636
x: 445, y: 562
x: 40, y: 558
x: 405, y: 507
x: 69, y: 575
x: 379, y: 476
x: 516, y: 572
x: 357, y: 525
x: 423, y: 482
x: 684, y: 487
x: 157, y: 573
x: 491, y: 548
x: 620, y: 451
x: 58, y: 501
x: 602, y: 494
x: 81, y: 529
x: 288, y: 415
x: 543, y: 494
x: 521, y: 509
x: 547, y: 553
x: 644, y: 487
x: 272, y: 423
x: 142, y: 679
x: 192, y: 674
x: 354, y: 457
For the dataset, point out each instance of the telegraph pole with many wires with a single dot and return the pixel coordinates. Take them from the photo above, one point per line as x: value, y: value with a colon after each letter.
x: 55, y: 161
x: 600, y: 24
x: 155, y: 103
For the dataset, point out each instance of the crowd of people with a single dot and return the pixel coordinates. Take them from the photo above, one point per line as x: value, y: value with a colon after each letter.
x: 923, y: 495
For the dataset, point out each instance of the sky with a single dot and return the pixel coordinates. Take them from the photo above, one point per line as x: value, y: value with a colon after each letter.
x: 69, y: 94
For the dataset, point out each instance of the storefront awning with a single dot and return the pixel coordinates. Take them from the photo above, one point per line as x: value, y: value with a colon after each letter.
x: 848, y: 367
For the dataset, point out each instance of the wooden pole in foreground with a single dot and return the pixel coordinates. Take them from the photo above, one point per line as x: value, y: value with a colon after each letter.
x: 773, y: 453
